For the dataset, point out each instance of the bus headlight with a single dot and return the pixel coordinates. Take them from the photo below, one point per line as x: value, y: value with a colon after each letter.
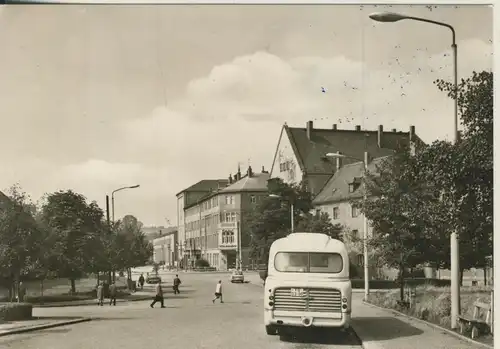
x: 271, y: 304
x: 271, y: 297
x: 344, y: 306
x: 344, y: 300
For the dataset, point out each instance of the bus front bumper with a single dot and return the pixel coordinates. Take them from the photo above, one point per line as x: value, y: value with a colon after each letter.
x: 306, y: 319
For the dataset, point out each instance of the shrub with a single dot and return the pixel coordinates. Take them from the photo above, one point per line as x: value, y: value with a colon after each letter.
x: 202, y: 263
x: 432, y: 303
x: 15, y: 311
x: 391, y: 284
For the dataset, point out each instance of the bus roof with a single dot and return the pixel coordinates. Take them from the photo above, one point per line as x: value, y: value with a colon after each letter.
x: 310, y: 242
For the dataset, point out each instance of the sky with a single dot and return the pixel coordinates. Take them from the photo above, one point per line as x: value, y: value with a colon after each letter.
x: 94, y: 98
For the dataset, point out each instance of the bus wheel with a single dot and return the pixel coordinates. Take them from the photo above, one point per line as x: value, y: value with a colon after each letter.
x: 271, y: 330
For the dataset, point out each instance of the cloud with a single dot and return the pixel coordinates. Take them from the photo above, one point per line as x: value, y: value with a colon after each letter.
x: 235, y: 113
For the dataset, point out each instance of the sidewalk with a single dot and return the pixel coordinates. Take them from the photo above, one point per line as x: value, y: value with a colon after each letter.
x: 137, y: 296
x: 15, y: 327
x: 382, y: 329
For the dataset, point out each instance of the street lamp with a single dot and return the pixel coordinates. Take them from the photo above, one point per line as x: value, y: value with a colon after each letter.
x: 454, y: 255
x: 113, y: 198
x: 365, y: 221
x: 274, y: 196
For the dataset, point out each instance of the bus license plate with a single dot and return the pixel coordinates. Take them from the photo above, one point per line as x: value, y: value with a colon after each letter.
x: 297, y: 292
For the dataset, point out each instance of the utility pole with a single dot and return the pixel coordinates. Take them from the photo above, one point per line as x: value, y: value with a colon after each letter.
x: 109, y: 229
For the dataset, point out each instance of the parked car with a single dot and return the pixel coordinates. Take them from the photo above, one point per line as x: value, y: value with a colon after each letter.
x: 155, y: 279
x: 237, y: 276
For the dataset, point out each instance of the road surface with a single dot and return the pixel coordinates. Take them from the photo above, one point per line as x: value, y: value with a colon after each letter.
x: 190, y: 320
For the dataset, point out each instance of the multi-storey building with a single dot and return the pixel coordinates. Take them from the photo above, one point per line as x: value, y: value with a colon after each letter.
x: 301, y: 152
x: 165, y: 247
x: 213, y: 222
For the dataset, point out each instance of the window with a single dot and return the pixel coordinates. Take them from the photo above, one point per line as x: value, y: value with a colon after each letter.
x: 308, y: 262
x: 335, y: 213
x: 351, y: 187
x: 229, y: 199
x: 354, y: 211
x: 227, y: 237
x: 253, y: 199
x: 355, y: 233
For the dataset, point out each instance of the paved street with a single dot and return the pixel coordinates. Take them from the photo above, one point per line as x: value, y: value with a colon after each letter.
x: 190, y: 321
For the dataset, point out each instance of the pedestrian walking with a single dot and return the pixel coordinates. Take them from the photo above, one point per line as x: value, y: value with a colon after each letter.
x: 21, y: 292
x: 218, y: 292
x: 100, y: 294
x: 158, y: 296
x: 177, y: 282
x: 141, y: 281
x: 112, y: 294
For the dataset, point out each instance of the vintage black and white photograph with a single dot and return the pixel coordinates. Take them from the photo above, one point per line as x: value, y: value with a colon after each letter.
x: 221, y: 176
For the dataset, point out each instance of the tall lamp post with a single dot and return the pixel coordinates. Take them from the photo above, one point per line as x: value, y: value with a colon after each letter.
x: 454, y: 255
x: 365, y: 221
x: 129, y: 271
x: 113, y: 198
x: 292, y: 228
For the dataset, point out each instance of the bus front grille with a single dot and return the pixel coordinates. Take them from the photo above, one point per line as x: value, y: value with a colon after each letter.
x: 325, y: 300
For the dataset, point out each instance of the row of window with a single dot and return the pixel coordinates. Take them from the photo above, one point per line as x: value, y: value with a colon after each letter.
x: 213, y: 259
x: 285, y: 166
x: 355, y: 211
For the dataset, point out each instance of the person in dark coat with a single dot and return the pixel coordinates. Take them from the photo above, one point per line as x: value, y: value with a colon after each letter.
x: 141, y: 281
x: 112, y: 294
x: 177, y: 283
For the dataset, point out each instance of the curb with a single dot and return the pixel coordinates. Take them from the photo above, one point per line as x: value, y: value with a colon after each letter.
x: 43, y: 327
x: 437, y: 327
x: 77, y: 304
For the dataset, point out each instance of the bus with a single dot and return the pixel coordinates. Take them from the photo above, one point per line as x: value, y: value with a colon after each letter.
x: 307, y: 284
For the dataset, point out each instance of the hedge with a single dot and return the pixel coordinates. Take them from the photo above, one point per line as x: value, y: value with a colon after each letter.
x: 391, y: 284
x: 15, y: 311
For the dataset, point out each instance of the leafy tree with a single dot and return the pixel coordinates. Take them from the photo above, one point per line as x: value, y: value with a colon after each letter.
x: 19, y: 236
x: 320, y: 223
x: 398, y: 208
x: 77, y: 228
x: 271, y: 219
x: 465, y: 170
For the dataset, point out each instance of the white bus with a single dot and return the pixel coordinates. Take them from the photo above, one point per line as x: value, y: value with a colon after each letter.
x: 307, y: 283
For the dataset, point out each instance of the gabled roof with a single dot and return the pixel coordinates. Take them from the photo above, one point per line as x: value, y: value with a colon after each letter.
x: 337, y: 188
x: 258, y: 182
x: 310, y: 153
x: 206, y: 185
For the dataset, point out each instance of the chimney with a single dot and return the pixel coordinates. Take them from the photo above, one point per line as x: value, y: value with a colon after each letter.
x: 309, y: 128
x: 412, y: 133
x: 393, y: 130
x: 238, y: 174
x: 379, y: 135
x: 358, y: 128
x: 230, y: 179
x: 235, y: 178
x: 334, y: 127
x: 250, y: 172
x: 263, y: 170
x: 339, y: 161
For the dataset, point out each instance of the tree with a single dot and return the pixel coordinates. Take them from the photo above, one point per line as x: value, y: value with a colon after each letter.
x: 400, y: 210
x: 320, y: 223
x: 465, y: 170
x: 134, y: 249
x: 271, y: 219
x: 20, y: 241
x: 77, y: 228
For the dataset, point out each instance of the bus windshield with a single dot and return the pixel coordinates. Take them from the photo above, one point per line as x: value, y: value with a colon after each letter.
x: 308, y: 262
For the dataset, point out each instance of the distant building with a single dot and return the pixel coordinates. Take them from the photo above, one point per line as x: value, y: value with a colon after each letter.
x: 301, y: 152
x: 165, y: 246
x: 210, y: 222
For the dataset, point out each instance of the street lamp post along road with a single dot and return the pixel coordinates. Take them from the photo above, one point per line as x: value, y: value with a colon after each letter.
x: 113, y: 198
x: 365, y: 221
x: 454, y: 245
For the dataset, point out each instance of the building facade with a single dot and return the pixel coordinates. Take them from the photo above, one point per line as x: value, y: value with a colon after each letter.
x: 214, y: 222
x: 165, y: 247
x: 301, y: 152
